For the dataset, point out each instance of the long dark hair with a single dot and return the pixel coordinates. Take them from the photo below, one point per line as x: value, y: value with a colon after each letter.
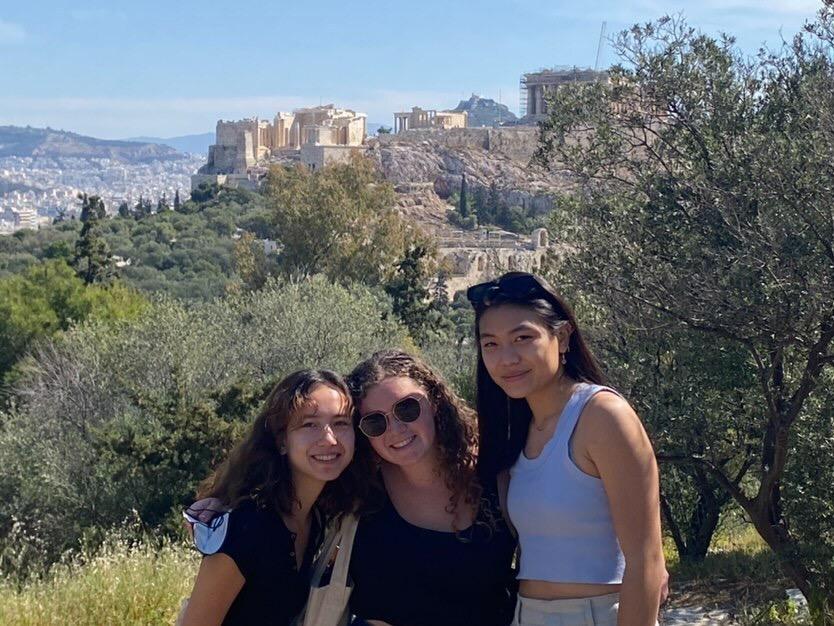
x: 503, y: 422
x: 255, y: 470
x: 455, y: 423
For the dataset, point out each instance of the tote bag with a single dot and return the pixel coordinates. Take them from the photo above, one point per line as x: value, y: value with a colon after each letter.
x: 328, y: 605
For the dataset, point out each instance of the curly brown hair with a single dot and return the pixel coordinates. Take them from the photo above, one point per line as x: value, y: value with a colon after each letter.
x: 256, y: 470
x: 455, y: 422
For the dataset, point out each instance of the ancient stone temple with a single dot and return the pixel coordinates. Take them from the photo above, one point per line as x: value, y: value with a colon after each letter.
x: 419, y: 118
x: 536, y: 86
x: 319, y: 134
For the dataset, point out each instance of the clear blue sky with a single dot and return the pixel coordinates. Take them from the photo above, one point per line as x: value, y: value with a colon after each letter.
x: 170, y: 68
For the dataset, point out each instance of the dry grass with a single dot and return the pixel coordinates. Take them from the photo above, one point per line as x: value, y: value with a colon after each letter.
x: 123, y: 584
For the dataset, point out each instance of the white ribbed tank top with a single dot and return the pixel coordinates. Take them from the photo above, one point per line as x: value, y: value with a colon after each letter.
x: 561, y: 513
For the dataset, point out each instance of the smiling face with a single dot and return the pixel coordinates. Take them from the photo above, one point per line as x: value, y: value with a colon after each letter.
x: 319, y: 439
x: 400, y: 444
x: 520, y: 352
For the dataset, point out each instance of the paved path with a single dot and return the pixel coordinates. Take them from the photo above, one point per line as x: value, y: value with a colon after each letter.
x: 698, y: 616
x: 694, y: 616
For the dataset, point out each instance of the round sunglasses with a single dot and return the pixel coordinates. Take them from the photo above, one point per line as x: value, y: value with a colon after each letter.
x: 406, y: 410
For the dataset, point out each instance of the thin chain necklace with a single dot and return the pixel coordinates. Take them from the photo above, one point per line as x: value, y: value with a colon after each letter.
x: 552, y: 415
x: 546, y: 422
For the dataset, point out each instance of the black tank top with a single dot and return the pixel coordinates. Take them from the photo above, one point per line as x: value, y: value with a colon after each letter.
x: 411, y: 576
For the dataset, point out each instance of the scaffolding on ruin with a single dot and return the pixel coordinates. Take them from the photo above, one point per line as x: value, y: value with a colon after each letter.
x: 522, y: 96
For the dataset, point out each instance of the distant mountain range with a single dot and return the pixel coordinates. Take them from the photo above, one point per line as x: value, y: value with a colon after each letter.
x: 194, y: 144
x: 47, y: 142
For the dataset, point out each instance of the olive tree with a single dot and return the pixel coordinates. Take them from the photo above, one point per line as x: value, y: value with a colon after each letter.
x: 705, y: 204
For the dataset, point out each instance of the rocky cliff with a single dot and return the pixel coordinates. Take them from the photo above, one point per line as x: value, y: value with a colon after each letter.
x: 427, y: 167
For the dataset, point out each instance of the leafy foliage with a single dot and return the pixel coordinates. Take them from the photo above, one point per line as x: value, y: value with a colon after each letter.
x: 338, y: 221
x: 705, y: 211
x: 114, y: 421
x: 48, y: 298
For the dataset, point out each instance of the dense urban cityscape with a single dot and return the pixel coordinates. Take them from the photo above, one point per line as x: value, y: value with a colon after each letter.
x: 35, y: 190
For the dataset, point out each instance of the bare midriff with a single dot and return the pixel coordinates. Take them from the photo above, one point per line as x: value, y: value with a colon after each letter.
x: 543, y: 590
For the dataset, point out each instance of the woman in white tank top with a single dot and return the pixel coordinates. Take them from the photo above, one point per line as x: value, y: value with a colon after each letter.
x: 583, y: 481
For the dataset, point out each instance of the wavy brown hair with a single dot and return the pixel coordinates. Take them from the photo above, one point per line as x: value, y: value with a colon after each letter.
x: 455, y: 423
x: 256, y: 470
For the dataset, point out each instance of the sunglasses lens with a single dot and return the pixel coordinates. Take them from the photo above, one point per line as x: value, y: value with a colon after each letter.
x: 407, y: 409
x: 373, y: 424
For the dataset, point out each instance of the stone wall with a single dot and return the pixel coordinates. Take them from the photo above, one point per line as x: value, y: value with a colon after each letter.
x: 476, y: 260
x: 470, y: 266
x: 518, y: 143
x: 316, y: 157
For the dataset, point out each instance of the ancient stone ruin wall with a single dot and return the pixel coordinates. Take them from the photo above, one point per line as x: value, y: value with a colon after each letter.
x: 473, y: 262
x: 518, y: 143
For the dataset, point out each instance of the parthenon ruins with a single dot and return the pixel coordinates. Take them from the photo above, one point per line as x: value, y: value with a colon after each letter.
x: 535, y: 86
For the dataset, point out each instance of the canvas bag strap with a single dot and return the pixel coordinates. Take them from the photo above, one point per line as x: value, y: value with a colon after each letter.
x: 331, y: 543
x: 346, y: 536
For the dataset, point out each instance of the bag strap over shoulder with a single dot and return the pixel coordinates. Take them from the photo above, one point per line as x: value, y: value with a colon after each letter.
x: 337, y: 548
x: 344, y: 550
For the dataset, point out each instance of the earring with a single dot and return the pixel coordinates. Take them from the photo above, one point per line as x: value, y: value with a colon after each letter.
x: 282, y: 450
x: 564, y: 359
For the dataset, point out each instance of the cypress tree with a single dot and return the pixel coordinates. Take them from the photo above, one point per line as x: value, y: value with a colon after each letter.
x: 93, y: 262
x: 463, y: 206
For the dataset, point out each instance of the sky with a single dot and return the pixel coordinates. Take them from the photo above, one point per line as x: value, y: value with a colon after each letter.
x: 123, y: 69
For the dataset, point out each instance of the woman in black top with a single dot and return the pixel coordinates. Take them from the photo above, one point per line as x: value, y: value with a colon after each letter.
x: 259, y: 544
x: 437, y: 550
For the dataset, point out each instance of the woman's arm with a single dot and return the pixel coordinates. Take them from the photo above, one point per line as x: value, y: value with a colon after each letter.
x: 217, y: 585
x: 618, y: 446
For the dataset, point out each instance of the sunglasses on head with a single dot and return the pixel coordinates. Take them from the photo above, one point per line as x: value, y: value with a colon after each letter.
x: 517, y: 286
x: 406, y: 410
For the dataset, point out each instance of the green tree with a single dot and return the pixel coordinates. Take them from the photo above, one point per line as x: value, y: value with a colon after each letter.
x: 93, y: 261
x: 250, y: 262
x: 481, y: 207
x: 124, y: 210
x: 440, y: 291
x: 704, y: 203
x: 463, y: 201
x: 409, y: 293
x: 162, y: 204
x: 177, y: 203
x: 494, y: 207
x: 48, y: 298
x: 338, y: 221
x: 143, y: 208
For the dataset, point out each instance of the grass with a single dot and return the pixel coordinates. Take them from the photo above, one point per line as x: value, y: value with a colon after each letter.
x: 128, y: 583
x: 123, y: 584
x: 740, y: 574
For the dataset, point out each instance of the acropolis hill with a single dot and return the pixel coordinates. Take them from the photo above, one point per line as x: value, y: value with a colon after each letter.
x: 426, y: 158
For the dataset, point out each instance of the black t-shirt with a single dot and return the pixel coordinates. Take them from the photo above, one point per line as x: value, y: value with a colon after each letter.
x: 263, y: 549
x: 411, y: 576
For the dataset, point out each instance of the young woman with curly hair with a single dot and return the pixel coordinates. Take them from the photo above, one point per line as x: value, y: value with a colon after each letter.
x: 436, y: 551
x: 583, y: 487
x: 261, y: 514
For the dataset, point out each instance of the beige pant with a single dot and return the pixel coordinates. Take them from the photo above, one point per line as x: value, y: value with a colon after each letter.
x: 596, y: 611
